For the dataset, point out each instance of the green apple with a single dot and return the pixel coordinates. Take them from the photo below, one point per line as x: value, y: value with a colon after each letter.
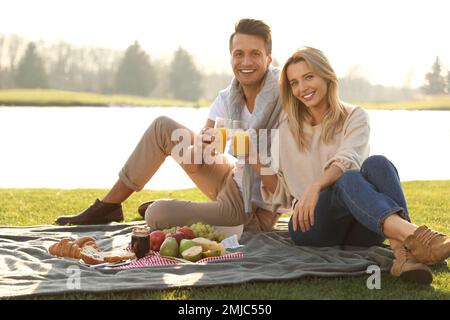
x: 193, y: 253
x: 186, y: 244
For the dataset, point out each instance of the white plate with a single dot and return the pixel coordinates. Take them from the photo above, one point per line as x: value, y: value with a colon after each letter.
x: 230, y: 231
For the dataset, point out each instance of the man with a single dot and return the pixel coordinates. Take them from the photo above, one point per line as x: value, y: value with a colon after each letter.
x: 233, y: 189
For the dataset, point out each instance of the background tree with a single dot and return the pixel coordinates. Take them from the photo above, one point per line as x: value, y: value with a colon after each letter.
x: 31, y: 71
x: 434, y: 81
x: 212, y: 83
x: 106, y: 61
x: 58, y: 57
x: 162, y: 89
x: 11, y: 48
x: 15, y: 50
x: 2, y: 69
x: 448, y: 82
x: 135, y: 74
x: 184, y: 78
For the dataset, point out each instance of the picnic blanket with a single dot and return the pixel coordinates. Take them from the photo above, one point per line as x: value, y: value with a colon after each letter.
x: 27, y: 269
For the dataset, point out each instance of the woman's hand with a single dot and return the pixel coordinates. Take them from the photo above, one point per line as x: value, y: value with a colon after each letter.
x: 252, y: 150
x: 268, y: 179
x: 304, y: 208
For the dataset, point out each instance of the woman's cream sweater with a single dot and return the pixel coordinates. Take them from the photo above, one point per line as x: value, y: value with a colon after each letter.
x: 296, y: 169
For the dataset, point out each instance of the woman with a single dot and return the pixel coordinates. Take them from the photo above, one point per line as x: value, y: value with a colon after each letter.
x: 338, y: 194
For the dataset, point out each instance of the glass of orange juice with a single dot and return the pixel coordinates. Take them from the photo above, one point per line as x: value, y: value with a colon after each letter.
x: 240, y: 139
x: 241, y: 143
x: 221, y: 135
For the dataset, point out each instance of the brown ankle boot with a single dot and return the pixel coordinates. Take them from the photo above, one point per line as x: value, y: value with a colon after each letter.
x: 428, y: 246
x: 143, y: 207
x: 407, y: 268
x: 98, y: 213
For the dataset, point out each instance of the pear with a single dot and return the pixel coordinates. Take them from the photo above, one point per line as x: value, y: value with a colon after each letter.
x: 169, y: 247
x: 193, y: 253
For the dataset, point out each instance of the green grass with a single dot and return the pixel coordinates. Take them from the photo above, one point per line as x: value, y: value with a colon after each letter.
x: 428, y: 204
x: 427, y: 103
x: 19, y: 97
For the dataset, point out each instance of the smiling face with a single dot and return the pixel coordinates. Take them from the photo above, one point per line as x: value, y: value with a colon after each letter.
x: 249, y: 59
x: 307, y: 86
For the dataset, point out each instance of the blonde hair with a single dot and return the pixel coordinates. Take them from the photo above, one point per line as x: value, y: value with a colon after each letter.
x: 298, y: 114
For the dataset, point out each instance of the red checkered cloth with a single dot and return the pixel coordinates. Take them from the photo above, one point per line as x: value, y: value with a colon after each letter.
x: 155, y: 259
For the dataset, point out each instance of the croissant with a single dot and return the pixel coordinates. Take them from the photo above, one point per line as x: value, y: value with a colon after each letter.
x: 86, y: 248
x: 71, y: 248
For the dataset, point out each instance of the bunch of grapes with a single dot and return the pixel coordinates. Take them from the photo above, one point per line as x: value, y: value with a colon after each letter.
x: 206, y: 231
x: 202, y: 230
x: 170, y: 230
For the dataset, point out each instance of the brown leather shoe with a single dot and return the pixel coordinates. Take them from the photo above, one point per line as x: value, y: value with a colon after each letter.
x: 407, y: 268
x: 98, y: 213
x: 143, y: 207
x: 428, y: 246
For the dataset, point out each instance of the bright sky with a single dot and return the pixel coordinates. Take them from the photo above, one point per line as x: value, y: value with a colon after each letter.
x: 390, y: 40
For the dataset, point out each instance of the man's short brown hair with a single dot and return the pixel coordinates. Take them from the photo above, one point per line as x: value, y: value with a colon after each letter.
x: 255, y: 28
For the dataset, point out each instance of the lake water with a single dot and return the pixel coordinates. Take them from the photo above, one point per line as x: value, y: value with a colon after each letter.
x: 85, y: 147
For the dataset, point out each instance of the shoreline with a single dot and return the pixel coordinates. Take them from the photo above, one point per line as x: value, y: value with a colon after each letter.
x: 182, y: 190
x: 87, y: 105
x: 60, y: 98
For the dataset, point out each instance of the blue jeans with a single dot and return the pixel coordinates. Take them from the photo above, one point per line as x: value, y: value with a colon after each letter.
x: 352, y: 211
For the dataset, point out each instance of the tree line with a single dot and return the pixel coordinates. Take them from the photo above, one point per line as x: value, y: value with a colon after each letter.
x: 436, y: 82
x: 133, y: 71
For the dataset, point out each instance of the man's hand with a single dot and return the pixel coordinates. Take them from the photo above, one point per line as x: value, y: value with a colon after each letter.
x: 203, y: 146
x: 203, y: 140
x: 195, y: 151
x: 207, y: 135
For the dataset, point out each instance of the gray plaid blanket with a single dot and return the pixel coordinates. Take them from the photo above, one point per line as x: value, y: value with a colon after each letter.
x: 27, y: 269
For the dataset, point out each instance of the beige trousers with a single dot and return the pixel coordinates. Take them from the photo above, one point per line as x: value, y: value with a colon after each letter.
x: 214, y: 180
